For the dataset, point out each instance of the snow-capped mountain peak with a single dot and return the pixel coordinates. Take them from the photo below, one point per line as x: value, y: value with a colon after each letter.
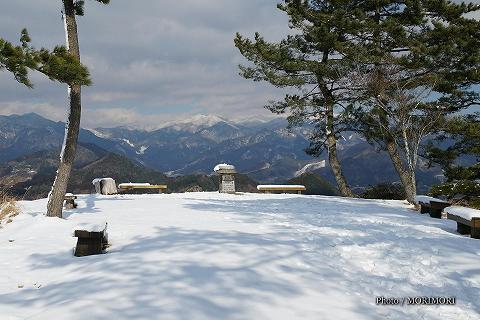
x: 204, y: 120
x: 197, y: 122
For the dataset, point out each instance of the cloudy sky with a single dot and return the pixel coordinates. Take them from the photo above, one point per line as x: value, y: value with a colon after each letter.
x: 151, y: 60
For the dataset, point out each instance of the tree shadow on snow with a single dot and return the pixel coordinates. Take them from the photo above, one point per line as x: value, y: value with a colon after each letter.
x: 361, y: 251
x: 408, y: 243
x: 87, y: 204
x: 154, y: 283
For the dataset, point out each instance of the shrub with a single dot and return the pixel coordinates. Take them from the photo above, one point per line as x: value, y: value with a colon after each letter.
x: 8, y: 207
x: 387, y: 191
x: 462, y: 192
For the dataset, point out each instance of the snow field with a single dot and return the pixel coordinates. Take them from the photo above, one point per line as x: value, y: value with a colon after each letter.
x: 250, y: 256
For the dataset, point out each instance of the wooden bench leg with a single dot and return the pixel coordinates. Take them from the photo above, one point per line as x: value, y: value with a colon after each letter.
x: 88, y: 246
x: 463, y: 228
x: 70, y: 204
x: 424, y: 209
x: 475, y: 232
x: 435, y: 213
x: 105, y: 241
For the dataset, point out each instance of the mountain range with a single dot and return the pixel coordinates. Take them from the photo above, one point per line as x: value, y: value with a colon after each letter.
x: 265, y: 151
x: 31, y: 176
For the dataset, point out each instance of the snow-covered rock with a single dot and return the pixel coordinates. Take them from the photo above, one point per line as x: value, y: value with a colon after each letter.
x: 96, y: 180
x: 105, y: 186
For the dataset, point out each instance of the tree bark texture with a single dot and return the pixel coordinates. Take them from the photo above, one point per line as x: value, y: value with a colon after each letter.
x: 406, y: 176
x: 343, y: 186
x: 72, y: 126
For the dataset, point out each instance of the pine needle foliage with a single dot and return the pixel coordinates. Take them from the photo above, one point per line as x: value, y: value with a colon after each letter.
x: 462, y: 180
x: 57, y: 64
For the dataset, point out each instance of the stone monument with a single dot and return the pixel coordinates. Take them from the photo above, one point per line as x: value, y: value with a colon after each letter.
x: 226, y: 174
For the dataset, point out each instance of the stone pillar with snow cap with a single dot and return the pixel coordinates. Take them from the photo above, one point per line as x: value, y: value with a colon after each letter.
x: 226, y: 174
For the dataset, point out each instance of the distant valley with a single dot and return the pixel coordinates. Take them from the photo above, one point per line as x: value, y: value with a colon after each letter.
x: 266, y: 152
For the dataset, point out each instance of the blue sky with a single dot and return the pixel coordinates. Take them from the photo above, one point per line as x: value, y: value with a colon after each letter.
x: 152, y: 61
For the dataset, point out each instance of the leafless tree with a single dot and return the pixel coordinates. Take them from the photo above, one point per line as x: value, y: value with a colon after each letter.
x: 398, y: 113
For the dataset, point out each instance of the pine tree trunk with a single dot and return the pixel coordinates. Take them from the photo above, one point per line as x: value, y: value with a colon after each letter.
x: 72, y: 126
x: 343, y: 186
x: 407, y: 178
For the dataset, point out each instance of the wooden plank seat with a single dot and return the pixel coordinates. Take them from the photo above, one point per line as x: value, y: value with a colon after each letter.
x: 281, y: 188
x: 431, y: 205
x: 138, y: 186
x: 70, y: 201
x: 468, y: 220
x: 92, y: 239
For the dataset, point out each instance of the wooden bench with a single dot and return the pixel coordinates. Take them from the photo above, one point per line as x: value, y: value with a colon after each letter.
x: 92, y: 239
x: 431, y: 205
x: 468, y: 220
x: 436, y: 208
x: 281, y: 188
x: 137, y: 186
x: 70, y: 201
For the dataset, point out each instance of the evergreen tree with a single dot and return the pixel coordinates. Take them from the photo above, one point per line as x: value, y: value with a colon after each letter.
x: 313, y: 61
x: 419, y: 66
x: 389, y: 69
x: 71, y: 8
x: 57, y: 64
x: 462, y: 182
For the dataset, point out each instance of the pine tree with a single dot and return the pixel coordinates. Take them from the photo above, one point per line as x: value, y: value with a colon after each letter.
x: 419, y: 66
x: 371, y: 66
x: 71, y: 9
x: 313, y: 62
x: 462, y: 182
x: 56, y: 64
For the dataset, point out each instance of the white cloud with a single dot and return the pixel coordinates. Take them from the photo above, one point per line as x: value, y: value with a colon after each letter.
x: 165, y: 58
x: 110, y: 96
x: 44, y: 109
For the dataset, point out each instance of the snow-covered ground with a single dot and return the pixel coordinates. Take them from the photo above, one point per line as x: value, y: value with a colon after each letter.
x: 250, y: 256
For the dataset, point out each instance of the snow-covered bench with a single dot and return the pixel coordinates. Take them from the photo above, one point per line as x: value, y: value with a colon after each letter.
x: 70, y: 201
x: 135, y: 186
x: 283, y: 188
x: 468, y: 220
x: 431, y: 205
x: 92, y: 238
